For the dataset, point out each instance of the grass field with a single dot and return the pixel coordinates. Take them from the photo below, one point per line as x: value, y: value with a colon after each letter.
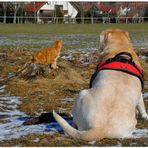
x: 43, y: 94
x: 36, y: 36
x: 69, y: 28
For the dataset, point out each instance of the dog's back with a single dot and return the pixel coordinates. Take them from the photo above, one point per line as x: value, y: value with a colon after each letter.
x: 107, y: 110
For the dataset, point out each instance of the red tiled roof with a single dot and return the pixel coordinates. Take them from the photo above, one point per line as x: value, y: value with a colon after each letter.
x: 137, y: 4
x: 103, y: 7
x: 131, y: 13
x: 108, y: 8
x: 86, y: 6
x: 112, y: 9
x: 34, y: 6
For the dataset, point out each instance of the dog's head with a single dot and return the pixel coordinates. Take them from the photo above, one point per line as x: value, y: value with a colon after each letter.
x: 114, y: 41
x: 58, y: 44
x: 113, y: 36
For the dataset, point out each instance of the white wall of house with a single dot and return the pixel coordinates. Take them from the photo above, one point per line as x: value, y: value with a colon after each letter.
x: 72, y: 12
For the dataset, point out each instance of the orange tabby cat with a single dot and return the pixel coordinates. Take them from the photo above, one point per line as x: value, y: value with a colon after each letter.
x: 48, y: 55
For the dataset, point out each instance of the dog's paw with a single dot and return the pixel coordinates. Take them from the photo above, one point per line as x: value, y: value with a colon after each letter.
x: 83, y: 92
x: 145, y: 117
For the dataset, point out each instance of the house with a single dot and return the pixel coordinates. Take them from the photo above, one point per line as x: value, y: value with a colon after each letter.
x: 49, y: 11
x: 109, y: 8
x: 96, y: 11
x: 45, y: 11
x: 112, y: 10
x: 127, y: 8
x: 83, y: 7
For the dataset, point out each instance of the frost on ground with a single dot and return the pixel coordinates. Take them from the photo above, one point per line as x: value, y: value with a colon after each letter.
x: 145, y: 95
x: 140, y: 133
x: 85, y: 55
x: 11, y: 118
x: 14, y: 128
x: 70, y: 40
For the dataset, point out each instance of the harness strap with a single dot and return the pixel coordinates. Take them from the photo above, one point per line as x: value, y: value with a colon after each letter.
x: 124, y: 53
x: 120, y: 63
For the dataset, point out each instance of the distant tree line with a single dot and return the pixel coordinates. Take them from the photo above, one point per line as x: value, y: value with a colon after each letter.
x: 14, y: 12
x: 9, y: 11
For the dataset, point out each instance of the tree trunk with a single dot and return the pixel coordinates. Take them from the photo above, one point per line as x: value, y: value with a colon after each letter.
x: 14, y: 18
x: 21, y: 12
x: 16, y: 7
x: 5, y: 11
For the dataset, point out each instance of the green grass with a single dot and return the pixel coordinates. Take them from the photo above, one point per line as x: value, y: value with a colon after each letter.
x: 38, y: 32
x: 69, y: 28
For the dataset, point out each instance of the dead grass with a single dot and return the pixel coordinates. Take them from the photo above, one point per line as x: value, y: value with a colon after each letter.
x: 145, y: 69
x: 43, y: 94
x: 144, y: 65
x: 57, y: 140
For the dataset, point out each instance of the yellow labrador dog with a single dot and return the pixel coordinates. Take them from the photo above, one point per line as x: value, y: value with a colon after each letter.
x: 107, y: 109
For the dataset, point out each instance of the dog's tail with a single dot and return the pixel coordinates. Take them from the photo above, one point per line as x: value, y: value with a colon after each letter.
x: 89, y: 135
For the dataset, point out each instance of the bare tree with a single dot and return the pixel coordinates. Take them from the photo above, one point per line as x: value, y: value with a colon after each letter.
x: 4, y: 4
x: 16, y: 6
x: 35, y: 13
x: 21, y: 11
x: 82, y: 12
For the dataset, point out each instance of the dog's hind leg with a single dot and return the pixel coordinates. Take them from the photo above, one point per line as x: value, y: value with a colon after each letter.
x: 141, y: 108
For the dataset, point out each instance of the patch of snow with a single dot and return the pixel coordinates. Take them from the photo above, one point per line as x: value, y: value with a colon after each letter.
x: 119, y: 144
x: 145, y: 95
x: 32, y: 39
x: 36, y: 140
x: 68, y: 57
x: 67, y: 99
x: 92, y: 142
x: 84, y: 55
x: 140, y: 133
x: 14, y: 128
x: 2, y: 88
x: 61, y: 110
x: 60, y: 138
x: 52, y: 132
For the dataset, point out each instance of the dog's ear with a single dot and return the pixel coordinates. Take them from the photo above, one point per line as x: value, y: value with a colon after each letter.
x: 104, y: 36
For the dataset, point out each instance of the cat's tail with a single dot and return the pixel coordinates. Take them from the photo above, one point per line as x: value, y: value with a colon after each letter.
x: 89, y: 135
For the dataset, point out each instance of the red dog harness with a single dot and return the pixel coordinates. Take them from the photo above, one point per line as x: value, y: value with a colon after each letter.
x: 120, y: 63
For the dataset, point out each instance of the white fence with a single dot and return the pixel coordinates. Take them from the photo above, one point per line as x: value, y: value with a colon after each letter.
x: 68, y: 20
